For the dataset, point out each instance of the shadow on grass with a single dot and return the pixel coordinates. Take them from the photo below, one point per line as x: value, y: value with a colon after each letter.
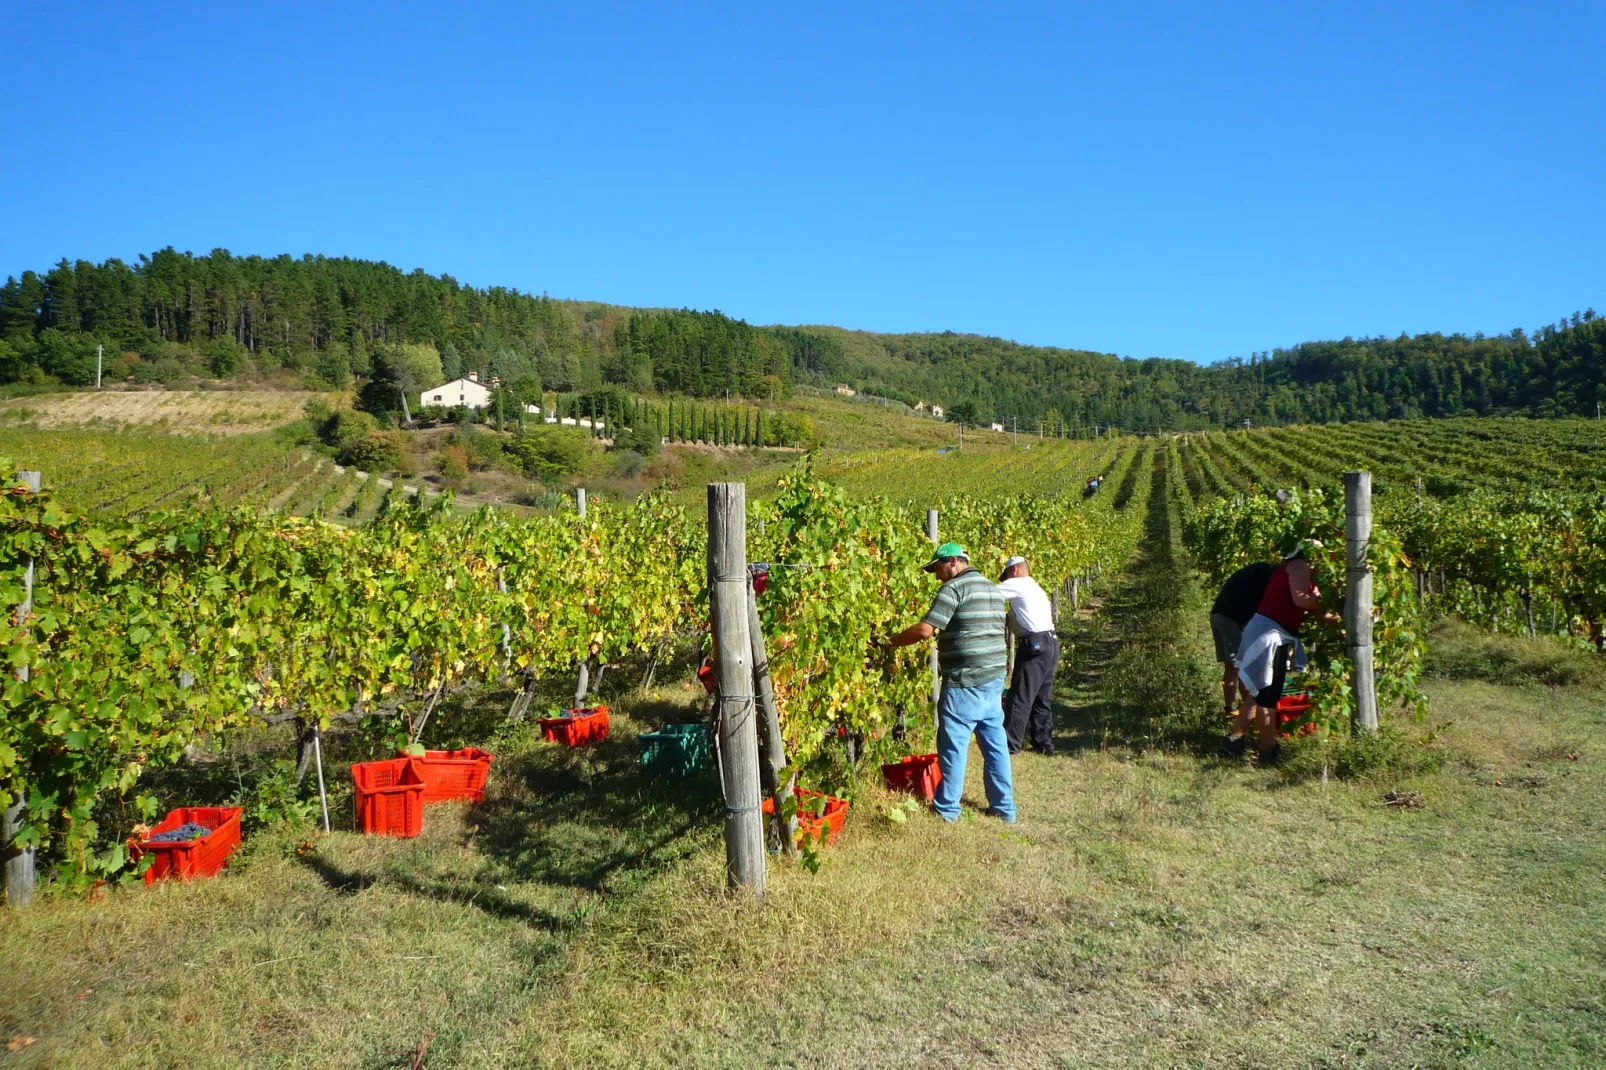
x: 1131, y: 678
x: 590, y: 818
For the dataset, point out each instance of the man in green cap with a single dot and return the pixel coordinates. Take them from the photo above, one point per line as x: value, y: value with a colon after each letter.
x: 967, y: 616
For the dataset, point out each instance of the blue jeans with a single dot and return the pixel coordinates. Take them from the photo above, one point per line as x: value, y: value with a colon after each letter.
x: 961, y: 712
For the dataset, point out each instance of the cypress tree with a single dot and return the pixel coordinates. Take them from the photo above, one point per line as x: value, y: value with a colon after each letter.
x: 758, y: 428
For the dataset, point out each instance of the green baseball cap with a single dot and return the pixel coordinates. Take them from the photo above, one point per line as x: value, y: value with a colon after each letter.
x: 946, y: 550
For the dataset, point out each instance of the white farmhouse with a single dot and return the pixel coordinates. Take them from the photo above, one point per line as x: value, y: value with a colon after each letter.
x: 469, y: 393
x: 995, y: 426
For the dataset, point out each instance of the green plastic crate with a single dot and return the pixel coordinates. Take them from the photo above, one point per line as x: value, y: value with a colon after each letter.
x: 675, y: 750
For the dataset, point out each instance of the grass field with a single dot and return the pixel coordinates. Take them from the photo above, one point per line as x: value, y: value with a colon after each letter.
x: 1438, y: 905
x: 178, y: 412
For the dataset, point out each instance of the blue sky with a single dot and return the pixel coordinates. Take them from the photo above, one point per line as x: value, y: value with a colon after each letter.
x: 1179, y: 180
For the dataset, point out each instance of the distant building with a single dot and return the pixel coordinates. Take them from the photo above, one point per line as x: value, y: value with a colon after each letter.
x: 936, y: 410
x: 996, y: 426
x: 469, y: 393
x: 843, y: 391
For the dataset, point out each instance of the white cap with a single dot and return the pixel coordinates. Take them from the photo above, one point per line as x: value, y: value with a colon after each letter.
x: 1016, y: 560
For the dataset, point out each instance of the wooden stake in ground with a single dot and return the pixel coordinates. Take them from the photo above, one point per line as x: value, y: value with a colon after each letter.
x: 769, y: 731
x: 20, y: 863
x: 936, y: 666
x: 1358, y: 594
x: 733, y: 667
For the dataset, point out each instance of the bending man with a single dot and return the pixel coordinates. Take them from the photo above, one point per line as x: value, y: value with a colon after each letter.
x: 1037, y: 655
x: 1231, y: 612
x: 967, y: 616
x: 1271, y: 638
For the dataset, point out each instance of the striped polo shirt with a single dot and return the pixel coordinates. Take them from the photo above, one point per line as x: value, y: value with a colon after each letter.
x: 968, y: 614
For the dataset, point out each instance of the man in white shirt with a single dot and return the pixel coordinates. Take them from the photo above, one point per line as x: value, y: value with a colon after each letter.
x: 1030, y: 702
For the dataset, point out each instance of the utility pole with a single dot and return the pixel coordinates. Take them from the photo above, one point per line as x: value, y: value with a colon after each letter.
x: 19, y: 865
x: 771, y: 744
x: 733, y: 667
x: 1358, y: 595
x: 936, y: 667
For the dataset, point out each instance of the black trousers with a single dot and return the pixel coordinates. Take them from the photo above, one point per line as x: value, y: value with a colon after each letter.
x: 1031, y: 693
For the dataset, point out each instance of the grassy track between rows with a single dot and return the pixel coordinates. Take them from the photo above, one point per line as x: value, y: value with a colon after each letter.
x: 1155, y: 906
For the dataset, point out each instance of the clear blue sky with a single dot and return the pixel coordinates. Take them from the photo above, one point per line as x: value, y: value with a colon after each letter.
x: 1195, y: 180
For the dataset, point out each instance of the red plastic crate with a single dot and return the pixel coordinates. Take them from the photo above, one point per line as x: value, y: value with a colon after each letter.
x: 453, y: 774
x: 582, y: 726
x: 390, y: 797
x: 810, y: 824
x: 193, y: 858
x: 917, y: 774
x: 1291, y: 708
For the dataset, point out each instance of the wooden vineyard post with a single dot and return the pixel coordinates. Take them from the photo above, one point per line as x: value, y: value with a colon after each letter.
x: 769, y: 730
x: 733, y: 668
x: 20, y: 863
x: 1358, y: 594
x: 580, y: 501
x: 936, y: 666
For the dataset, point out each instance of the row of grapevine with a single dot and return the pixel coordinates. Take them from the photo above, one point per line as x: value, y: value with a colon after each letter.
x: 268, y: 616
x: 1224, y: 534
x: 1489, y: 513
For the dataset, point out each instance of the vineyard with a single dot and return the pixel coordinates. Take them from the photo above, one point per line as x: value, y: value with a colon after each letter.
x: 193, y: 597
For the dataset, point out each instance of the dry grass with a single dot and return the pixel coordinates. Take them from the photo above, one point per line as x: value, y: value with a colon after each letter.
x: 1166, y: 910
x: 180, y: 412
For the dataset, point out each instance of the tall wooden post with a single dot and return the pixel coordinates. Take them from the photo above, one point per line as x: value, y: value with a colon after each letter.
x: 580, y: 501
x: 733, y: 668
x: 19, y: 878
x: 936, y: 665
x: 770, y: 741
x: 1358, y: 594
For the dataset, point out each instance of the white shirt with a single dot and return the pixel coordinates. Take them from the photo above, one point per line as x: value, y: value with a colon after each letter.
x: 1029, y: 608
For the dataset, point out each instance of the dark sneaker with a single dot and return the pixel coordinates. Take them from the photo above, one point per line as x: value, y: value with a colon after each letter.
x: 1271, y: 755
x: 993, y: 811
x: 1047, y: 752
x: 1233, y: 748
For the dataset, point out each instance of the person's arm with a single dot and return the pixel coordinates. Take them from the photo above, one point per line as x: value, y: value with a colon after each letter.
x: 1305, y: 594
x: 938, y: 616
x: 911, y: 635
x: 1012, y: 594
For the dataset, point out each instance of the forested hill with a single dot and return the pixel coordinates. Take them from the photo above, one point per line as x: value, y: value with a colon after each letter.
x: 173, y: 316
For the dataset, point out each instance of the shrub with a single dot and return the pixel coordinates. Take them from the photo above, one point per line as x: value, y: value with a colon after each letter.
x: 551, y: 454
x: 453, y: 464
x: 628, y: 463
x: 783, y: 428
x: 344, y: 429
x: 376, y: 451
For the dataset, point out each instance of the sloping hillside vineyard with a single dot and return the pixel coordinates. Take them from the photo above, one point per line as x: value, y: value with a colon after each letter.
x: 165, y: 618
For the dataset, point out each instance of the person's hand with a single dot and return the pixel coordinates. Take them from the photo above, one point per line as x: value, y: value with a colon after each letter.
x: 1332, y: 618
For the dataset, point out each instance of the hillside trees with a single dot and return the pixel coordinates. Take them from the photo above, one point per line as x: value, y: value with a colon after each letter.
x: 325, y: 317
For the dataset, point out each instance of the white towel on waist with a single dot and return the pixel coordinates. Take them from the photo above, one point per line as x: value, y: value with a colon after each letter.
x: 1257, y: 652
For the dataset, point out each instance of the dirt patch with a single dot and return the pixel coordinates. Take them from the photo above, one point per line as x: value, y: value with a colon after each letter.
x: 181, y: 412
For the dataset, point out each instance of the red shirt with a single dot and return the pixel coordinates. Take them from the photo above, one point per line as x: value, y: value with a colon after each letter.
x: 1278, y: 602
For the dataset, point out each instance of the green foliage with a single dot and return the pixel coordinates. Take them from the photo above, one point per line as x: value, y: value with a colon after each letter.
x: 376, y: 451
x: 550, y: 454
x: 1224, y: 534
x: 272, y: 797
